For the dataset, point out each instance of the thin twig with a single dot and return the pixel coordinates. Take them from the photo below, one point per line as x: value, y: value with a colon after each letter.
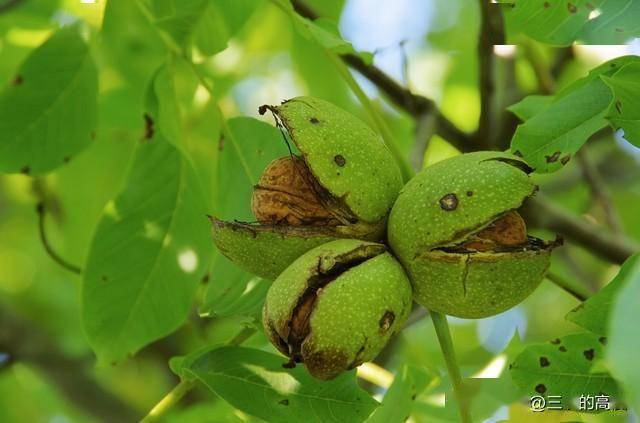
x: 402, y: 97
x: 507, y: 121
x: 542, y: 213
x: 485, y: 76
x: 573, y: 288
x: 40, y: 209
x: 599, y: 191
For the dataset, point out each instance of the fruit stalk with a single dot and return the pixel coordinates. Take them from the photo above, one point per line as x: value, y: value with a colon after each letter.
x: 446, y: 345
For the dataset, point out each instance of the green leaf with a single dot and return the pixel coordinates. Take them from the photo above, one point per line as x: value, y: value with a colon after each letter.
x: 255, y: 382
x: 549, y: 139
x: 48, y: 113
x: 256, y: 144
x: 325, y: 32
x: 210, y: 24
x: 624, y: 111
x: 551, y: 22
x: 149, y: 251
x: 564, y: 367
x: 530, y: 106
x: 624, y: 342
x: 399, y: 399
x: 617, y: 23
x: 552, y: 134
x: 594, y: 313
x: 561, y: 23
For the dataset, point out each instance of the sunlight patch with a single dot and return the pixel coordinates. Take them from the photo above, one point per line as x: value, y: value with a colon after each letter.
x: 188, y: 260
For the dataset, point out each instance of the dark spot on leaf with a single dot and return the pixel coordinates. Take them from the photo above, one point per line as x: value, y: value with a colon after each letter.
x: 565, y: 159
x: 263, y: 109
x: 619, y: 106
x: 553, y: 158
x: 386, y: 321
x: 546, y: 5
x: 93, y: 135
x: 148, y: 127
x: 314, y: 120
x: 510, y: 366
x: 588, y: 354
x: 449, y: 202
x: 619, y: 30
x: 205, y: 278
x: 572, y: 8
x: 340, y: 160
x: 469, y: 193
x: 26, y: 170
x: 544, y: 362
x: 555, y: 341
x: 284, y: 402
x: 104, y: 278
x: 221, y: 143
x: 562, y: 349
x: 603, y: 340
x: 413, y: 397
x: 590, y: 6
x: 540, y: 388
x: 17, y: 80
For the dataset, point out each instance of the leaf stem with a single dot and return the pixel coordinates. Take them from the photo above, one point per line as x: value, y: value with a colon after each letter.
x: 40, y: 209
x: 568, y: 285
x: 242, y: 336
x: 169, y: 400
x: 446, y: 345
x: 184, y: 386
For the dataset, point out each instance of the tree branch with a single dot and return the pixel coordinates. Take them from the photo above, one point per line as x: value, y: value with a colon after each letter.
x: 9, y: 4
x: 599, y: 191
x: 485, y: 75
x: 540, y: 211
x: 544, y: 214
x: 25, y: 343
x: 403, y: 98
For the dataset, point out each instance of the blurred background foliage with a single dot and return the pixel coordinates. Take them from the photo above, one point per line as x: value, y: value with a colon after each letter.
x: 427, y: 46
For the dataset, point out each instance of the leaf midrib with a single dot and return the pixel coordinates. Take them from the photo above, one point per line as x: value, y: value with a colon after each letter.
x: 62, y: 94
x: 148, y: 279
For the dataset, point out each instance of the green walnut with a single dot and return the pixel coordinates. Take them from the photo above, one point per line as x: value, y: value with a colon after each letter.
x: 341, y: 184
x: 337, y: 305
x: 456, y: 230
